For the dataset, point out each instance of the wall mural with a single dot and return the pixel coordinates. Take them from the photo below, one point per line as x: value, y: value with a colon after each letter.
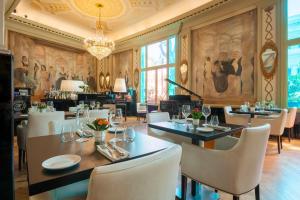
x: 124, y: 66
x: 43, y: 66
x: 224, y: 59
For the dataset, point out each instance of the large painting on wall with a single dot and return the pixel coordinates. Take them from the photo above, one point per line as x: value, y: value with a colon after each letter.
x: 42, y: 66
x: 223, y: 59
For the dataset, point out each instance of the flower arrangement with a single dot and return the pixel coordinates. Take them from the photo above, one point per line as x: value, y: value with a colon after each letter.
x: 99, y: 124
x: 41, y: 106
x: 196, y: 113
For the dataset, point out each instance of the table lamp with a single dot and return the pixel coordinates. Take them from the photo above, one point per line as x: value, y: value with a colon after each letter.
x: 120, y: 86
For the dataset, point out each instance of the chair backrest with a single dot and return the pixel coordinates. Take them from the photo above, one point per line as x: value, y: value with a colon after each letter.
x: 249, y: 154
x: 158, y: 117
x: 103, y: 113
x: 239, y: 119
x: 277, y: 124
x: 291, y: 117
x: 38, y: 123
x: 55, y: 126
x: 150, y: 177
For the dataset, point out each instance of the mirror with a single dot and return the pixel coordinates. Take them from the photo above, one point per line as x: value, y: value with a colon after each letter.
x: 268, y: 59
x: 136, y: 77
x: 184, y: 71
x: 107, y: 81
x: 126, y: 78
x: 101, y: 80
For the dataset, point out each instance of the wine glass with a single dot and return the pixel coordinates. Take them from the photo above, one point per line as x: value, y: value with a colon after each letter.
x: 50, y: 106
x: 130, y: 132
x: 92, y: 104
x: 116, y: 121
x: 186, y: 111
x: 206, y: 112
x: 214, y: 121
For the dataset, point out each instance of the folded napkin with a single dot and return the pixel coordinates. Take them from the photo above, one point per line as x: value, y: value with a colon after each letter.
x: 112, y: 154
x: 220, y: 128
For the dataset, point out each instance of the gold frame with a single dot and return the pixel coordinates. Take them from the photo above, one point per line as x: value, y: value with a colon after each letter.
x: 136, y: 73
x: 107, y: 83
x: 184, y: 81
x: 268, y: 45
x: 101, y: 84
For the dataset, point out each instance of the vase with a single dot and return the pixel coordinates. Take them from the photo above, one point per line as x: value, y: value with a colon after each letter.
x: 196, y: 122
x: 99, y: 137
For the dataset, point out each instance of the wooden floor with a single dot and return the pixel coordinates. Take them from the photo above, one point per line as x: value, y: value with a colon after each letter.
x: 280, y: 180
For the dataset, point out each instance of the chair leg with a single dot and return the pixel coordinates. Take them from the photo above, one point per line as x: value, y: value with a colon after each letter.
x: 183, y: 187
x: 236, y: 197
x: 24, y: 156
x: 216, y: 191
x: 20, y: 159
x: 193, y: 188
x: 278, y: 144
x: 257, y: 196
x: 289, y: 134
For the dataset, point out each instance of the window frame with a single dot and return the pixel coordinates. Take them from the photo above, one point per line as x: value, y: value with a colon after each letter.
x: 286, y: 43
x: 157, y: 67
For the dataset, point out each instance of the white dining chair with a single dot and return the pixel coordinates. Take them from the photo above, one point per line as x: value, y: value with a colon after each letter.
x: 238, y: 119
x: 141, y: 110
x: 55, y: 126
x: 103, y: 113
x: 277, y: 126
x: 38, y: 123
x: 164, y: 117
x: 290, y: 121
x: 148, y: 178
x: 235, y: 171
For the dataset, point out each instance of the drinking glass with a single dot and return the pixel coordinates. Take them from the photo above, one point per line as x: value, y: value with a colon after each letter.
x: 186, y: 111
x: 67, y: 133
x: 257, y: 106
x: 130, y: 133
x: 116, y: 121
x: 97, y: 105
x: 34, y: 106
x: 214, y: 120
x: 206, y: 112
x: 50, y: 106
x: 81, y: 105
x: 92, y: 104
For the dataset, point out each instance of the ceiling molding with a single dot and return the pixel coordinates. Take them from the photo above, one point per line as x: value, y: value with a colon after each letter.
x: 179, y: 19
x: 10, y: 5
x: 38, y: 30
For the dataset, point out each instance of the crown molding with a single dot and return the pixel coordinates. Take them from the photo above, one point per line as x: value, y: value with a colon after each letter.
x: 172, y: 22
x: 41, y: 31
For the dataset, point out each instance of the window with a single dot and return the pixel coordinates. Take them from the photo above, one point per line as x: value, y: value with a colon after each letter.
x: 293, y: 53
x: 157, y: 63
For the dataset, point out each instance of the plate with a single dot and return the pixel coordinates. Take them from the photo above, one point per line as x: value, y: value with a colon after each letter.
x: 113, y: 129
x: 204, y: 129
x: 61, y: 162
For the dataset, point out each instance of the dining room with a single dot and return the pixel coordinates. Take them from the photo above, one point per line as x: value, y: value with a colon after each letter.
x: 150, y: 99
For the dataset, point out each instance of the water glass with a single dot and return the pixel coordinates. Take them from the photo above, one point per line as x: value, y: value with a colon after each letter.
x: 214, y: 120
x: 98, y: 105
x: 130, y: 132
x: 67, y: 133
x: 186, y: 111
x: 92, y: 104
x: 50, y: 106
x: 206, y: 112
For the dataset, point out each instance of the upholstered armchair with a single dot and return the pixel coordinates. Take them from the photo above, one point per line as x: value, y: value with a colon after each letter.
x: 235, y: 171
x: 277, y: 126
x: 239, y: 119
x: 163, y: 117
x: 290, y: 121
x: 141, y: 110
x: 148, y: 178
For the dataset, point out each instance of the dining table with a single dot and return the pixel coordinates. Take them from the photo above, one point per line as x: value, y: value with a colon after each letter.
x: 197, y: 137
x: 42, y: 148
x: 267, y: 112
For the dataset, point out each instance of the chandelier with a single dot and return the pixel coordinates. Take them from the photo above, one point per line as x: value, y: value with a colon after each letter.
x: 99, y: 46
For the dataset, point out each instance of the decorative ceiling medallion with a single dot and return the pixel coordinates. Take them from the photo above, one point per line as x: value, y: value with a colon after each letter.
x: 53, y: 7
x: 111, y: 8
x: 142, y: 3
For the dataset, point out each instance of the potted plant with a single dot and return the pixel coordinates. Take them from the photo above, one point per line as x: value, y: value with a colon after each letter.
x: 196, y: 115
x: 42, y: 107
x: 99, y: 126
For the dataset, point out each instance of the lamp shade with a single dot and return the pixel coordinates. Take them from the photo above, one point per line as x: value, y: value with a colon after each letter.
x: 71, y: 85
x: 120, y: 85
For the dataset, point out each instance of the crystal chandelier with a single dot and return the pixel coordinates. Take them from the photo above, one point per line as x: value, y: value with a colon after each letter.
x: 99, y: 46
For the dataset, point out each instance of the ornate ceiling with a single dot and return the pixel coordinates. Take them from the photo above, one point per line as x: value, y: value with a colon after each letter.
x: 120, y: 17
